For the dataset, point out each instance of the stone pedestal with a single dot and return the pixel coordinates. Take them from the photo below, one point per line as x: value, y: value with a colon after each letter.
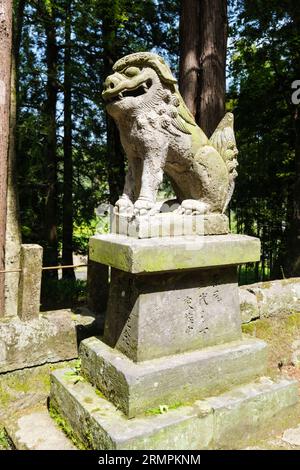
x: 158, y: 314
x: 172, y: 358
x: 170, y: 224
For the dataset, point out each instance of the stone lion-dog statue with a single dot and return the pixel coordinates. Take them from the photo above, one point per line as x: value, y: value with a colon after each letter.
x: 159, y: 134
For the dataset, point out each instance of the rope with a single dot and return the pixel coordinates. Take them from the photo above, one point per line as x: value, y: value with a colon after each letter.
x: 46, y: 268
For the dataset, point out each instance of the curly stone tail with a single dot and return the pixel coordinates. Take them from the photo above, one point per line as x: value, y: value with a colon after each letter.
x: 223, y: 140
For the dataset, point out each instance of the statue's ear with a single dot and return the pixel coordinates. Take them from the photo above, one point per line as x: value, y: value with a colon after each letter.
x: 163, y: 71
x: 184, y: 112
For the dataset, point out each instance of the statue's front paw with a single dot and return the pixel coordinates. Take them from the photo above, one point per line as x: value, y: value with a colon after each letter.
x: 193, y: 207
x: 123, y: 206
x: 143, y: 206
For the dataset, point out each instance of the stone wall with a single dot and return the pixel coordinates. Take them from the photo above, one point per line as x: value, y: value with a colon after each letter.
x: 270, y: 299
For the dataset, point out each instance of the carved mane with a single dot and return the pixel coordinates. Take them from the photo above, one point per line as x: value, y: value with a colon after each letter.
x: 149, y: 59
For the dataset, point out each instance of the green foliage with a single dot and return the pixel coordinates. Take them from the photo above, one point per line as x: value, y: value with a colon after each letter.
x: 262, y: 68
x: 86, y: 230
x: 62, y: 293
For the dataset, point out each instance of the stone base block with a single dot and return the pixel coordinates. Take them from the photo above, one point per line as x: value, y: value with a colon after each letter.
x: 52, y: 337
x: 181, y: 378
x: 172, y: 253
x: 214, y: 423
x: 170, y: 224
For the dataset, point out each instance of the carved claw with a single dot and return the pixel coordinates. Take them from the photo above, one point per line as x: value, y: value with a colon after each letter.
x: 143, y: 207
x: 123, y: 206
x: 193, y: 207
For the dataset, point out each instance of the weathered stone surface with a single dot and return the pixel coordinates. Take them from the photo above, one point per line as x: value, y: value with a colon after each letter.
x: 170, y: 224
x: 292, y: 436
x: 295, y: 356
x: 248, y: 305
x: 156, y: 315
x: 173, y: 253
x: 268, y: 299
x: 159, y: 135
x: 31, y: 258
x: 99, y: 425
x: 239, y: 412
x: 136, y: 387
x: 49, y: 338
x: 37, y: 431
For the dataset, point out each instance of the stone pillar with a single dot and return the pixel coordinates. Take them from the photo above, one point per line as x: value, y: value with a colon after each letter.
x: 30, y: 281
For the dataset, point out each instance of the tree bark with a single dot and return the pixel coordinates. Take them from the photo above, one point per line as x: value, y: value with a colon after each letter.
x: 67, y: 250
x: 212, y: 63
x: 50, y: 220
x: 13, y: 237
x: 203, y: 47
x: 189, y: 40
x: 5, y: 84
x: 18, y: 33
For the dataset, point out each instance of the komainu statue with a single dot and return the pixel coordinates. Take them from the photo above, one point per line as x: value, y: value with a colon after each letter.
x: 159, y: 135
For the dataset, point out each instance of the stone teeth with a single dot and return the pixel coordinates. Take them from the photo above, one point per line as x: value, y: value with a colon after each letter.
x: 120, y: 95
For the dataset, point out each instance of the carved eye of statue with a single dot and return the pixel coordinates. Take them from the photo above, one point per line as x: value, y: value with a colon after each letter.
x: 132, y: 71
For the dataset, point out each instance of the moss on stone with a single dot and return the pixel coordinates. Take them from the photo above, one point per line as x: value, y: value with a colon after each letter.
x: 30, y: 386
x: 4, y: 441
x: 4, y: 397
x: 95, y: 410
x: 88, y: 400
x: 100, y: 394
x: 279, y: 333
x: 64, y: 426
x: 258, y: 328
x: 163, y: 409
x: 293, y: 321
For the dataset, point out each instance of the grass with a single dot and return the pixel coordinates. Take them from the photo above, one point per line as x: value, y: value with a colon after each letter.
x: 64, y: 426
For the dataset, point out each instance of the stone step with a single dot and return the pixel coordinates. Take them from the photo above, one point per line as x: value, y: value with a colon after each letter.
x: 37, y: 431
x: 181, y: 378
x: 217, y: 422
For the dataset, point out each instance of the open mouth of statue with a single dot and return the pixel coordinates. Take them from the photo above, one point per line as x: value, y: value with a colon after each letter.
x: 134, y: 92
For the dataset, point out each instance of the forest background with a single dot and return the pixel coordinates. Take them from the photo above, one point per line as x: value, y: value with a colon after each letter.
x: 67, y: 159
